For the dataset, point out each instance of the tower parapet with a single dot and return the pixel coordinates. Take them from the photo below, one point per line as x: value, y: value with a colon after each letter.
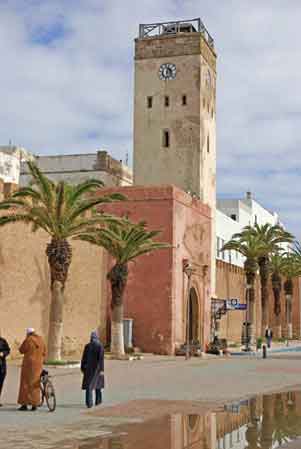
x: 175, y: 27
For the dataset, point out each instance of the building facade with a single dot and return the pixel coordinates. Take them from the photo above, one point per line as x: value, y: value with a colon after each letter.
x: 76, y: 168
x: 175, y: 109
x: 232, y: 215
x: 158, y: 296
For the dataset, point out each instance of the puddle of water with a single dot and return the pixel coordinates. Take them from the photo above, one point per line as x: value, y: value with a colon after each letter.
x: 266, y: 422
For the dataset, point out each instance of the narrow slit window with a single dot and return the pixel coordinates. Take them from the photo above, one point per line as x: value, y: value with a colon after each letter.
x: 184, y: 100
x: 208, y: 145
x: 166, y: 138
x: 149, y: 102
x: 166, y: 101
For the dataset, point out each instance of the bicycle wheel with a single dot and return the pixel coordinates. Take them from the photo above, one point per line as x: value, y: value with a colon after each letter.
x: 50, y: 396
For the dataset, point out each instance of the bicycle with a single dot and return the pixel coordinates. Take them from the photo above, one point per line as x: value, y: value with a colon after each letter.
x: 47, y: 391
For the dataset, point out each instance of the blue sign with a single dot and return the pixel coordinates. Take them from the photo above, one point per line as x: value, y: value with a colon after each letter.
x: 241, y: 307
x: 234, y: 304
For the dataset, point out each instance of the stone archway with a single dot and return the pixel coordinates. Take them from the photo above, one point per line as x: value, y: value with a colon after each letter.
x: 194, y: 317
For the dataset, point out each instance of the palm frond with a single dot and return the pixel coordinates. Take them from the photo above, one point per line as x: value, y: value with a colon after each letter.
x: 83, y: 188
x: 15, y: 218
x: 44, y: 184
x: 125, y: 240
x: 27, y: 192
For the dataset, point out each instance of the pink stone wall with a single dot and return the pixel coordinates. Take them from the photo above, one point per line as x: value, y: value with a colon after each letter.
x: 191, y: 224
x: 156, y: 291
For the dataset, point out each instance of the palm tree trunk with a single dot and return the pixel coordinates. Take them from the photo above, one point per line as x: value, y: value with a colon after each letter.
x: 276, y: 282
x: 117, y: 338
x: 288, y: 288
x: 263, y: 263
x: 250, y: 275
x: 289, y: 317
x: 55, y: 334
x: 278, y: 326
x: 118, y: 278
x: 252, y: 314
x: 59, y: 255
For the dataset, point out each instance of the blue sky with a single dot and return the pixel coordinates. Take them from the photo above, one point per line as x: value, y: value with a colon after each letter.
x: 67, y: 84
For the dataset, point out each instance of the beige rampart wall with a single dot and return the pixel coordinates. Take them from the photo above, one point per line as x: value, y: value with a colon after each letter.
x: 231, y: 284
x: 24, y: 288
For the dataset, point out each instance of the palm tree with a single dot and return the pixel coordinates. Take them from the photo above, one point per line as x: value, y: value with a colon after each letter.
x: 276, y: 267
x: 124, y: 241
x: 249, y: 246
x: 271, y: 237
x: 62, y: 211
x: 291, y: 270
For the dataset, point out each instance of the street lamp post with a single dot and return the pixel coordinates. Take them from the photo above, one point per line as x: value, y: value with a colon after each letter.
x: 188, y: 270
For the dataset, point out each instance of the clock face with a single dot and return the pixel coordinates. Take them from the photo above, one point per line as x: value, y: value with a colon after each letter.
x: 167, y: 72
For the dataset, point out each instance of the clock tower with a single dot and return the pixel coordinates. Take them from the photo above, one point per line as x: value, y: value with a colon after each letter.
x: 175, y: 111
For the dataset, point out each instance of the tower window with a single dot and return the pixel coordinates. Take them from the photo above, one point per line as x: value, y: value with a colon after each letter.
x: 166, y: 101
x: 149, y: 102
x: 204, y: 103
x: 166, y: 138
x: 184, y: 100
x: 208, y: 144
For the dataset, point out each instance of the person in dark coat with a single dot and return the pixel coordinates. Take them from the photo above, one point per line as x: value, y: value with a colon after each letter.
x: 269, y: 336
x: 4, y: 351
x: 92, y: 367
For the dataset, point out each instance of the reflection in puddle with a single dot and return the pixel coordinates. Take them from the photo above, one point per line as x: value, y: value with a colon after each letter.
x: 266, y: 422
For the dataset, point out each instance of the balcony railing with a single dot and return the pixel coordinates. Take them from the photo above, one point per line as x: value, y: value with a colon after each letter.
x: 180, y: 26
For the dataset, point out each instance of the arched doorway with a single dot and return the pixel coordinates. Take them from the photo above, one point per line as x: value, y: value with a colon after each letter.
x: 194, y: 318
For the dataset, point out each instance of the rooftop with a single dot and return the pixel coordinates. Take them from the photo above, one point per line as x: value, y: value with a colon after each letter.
x: 180, y: 26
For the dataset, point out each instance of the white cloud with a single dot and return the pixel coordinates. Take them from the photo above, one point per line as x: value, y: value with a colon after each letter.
x: 75, y: 94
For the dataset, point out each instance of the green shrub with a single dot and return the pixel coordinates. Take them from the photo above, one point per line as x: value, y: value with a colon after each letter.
x: 280, y: 340
x: 259, y: 342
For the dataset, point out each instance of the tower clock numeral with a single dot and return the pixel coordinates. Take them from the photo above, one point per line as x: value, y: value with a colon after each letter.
x: 167, y: 72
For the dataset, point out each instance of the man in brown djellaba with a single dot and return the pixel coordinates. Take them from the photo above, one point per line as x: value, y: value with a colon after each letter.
x: 34, y: 350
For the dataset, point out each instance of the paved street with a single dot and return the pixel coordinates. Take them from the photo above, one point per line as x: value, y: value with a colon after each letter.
x: 154, y: 378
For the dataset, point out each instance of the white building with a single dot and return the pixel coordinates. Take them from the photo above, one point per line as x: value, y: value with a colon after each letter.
x: 232, y: 215
x: 76, y: 168
x: 10, y: 162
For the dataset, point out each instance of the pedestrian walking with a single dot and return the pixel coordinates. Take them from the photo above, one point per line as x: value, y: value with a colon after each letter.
x: 92, y: 367
x: 34, y: 350
x: 4, y: 352
x: 269, y: 336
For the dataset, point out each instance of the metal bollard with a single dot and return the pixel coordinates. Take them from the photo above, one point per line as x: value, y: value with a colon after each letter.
x: 264, y: 351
